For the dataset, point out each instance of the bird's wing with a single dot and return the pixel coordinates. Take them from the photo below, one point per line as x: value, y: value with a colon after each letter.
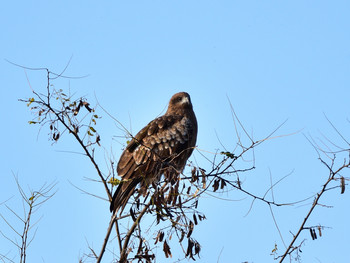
x: 164, y: 142
x: 163, y: 139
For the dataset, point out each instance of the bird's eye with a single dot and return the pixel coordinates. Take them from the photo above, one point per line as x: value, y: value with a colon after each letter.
x: 179, y: 99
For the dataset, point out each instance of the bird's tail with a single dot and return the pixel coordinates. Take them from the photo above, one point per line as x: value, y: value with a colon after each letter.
x: 122, y: 194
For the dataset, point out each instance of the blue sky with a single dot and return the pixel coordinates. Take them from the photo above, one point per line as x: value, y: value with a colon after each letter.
x: 274, y: 60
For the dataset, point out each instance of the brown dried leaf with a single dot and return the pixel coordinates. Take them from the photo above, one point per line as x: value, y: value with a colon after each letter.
x: 166, y: 249
x: 190, y: 227
x: 201, y: 217
x: 56, y: 136
x: 195, y: 219
x: 86, y: 104
x: 203, y: 177
x: 189, y: 248
x: 197, y: 248
x: 132, y: 214
x: 319, y: 231
x: 182, y: 236
x: 216, y: 185
x: 311, y: 234
x: 157, y: 238
x: 223, y: 184
x: 342, y: 185
x: 194, y: 175
x: 161, y: 236
x: 188, y: 190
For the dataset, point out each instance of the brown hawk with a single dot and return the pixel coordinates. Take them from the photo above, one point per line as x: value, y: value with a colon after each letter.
x: 160, y: 148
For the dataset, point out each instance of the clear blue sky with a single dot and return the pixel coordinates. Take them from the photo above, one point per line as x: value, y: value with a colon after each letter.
x: 274, y: 60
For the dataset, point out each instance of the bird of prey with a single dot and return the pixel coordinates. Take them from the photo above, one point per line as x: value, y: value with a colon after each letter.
x: 160, y: 148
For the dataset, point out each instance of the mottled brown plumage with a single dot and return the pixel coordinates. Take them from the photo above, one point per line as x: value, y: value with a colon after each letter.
x: 162, y: 147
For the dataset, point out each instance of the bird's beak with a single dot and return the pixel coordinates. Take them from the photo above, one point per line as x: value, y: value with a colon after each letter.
x: 185, y: 100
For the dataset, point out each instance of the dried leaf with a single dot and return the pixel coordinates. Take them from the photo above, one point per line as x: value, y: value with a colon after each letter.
x: 166, y: 249
x: 86, y: 104
x: 182, y: 236
x: 194, y: 174
x: 216, y: 185
x: 195, y: 219
x: 132, y: 214
x: 188, y: 190
x: 197, y: 248
x: 161, y: 236
x: 223, y: 184
x: 342, y: 185
x: 157, y: 238
x: 98, y: 139
x: 56, y: 136
x: 77, y: 109
x: 189, y: 248
x: 204, y: 181
x: 191, y: 226
x: 201, y: 217
x: 312, y: 235
x: 319, y: 231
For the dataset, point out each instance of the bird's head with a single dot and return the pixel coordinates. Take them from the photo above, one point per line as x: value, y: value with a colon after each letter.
x: 179, y: 102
